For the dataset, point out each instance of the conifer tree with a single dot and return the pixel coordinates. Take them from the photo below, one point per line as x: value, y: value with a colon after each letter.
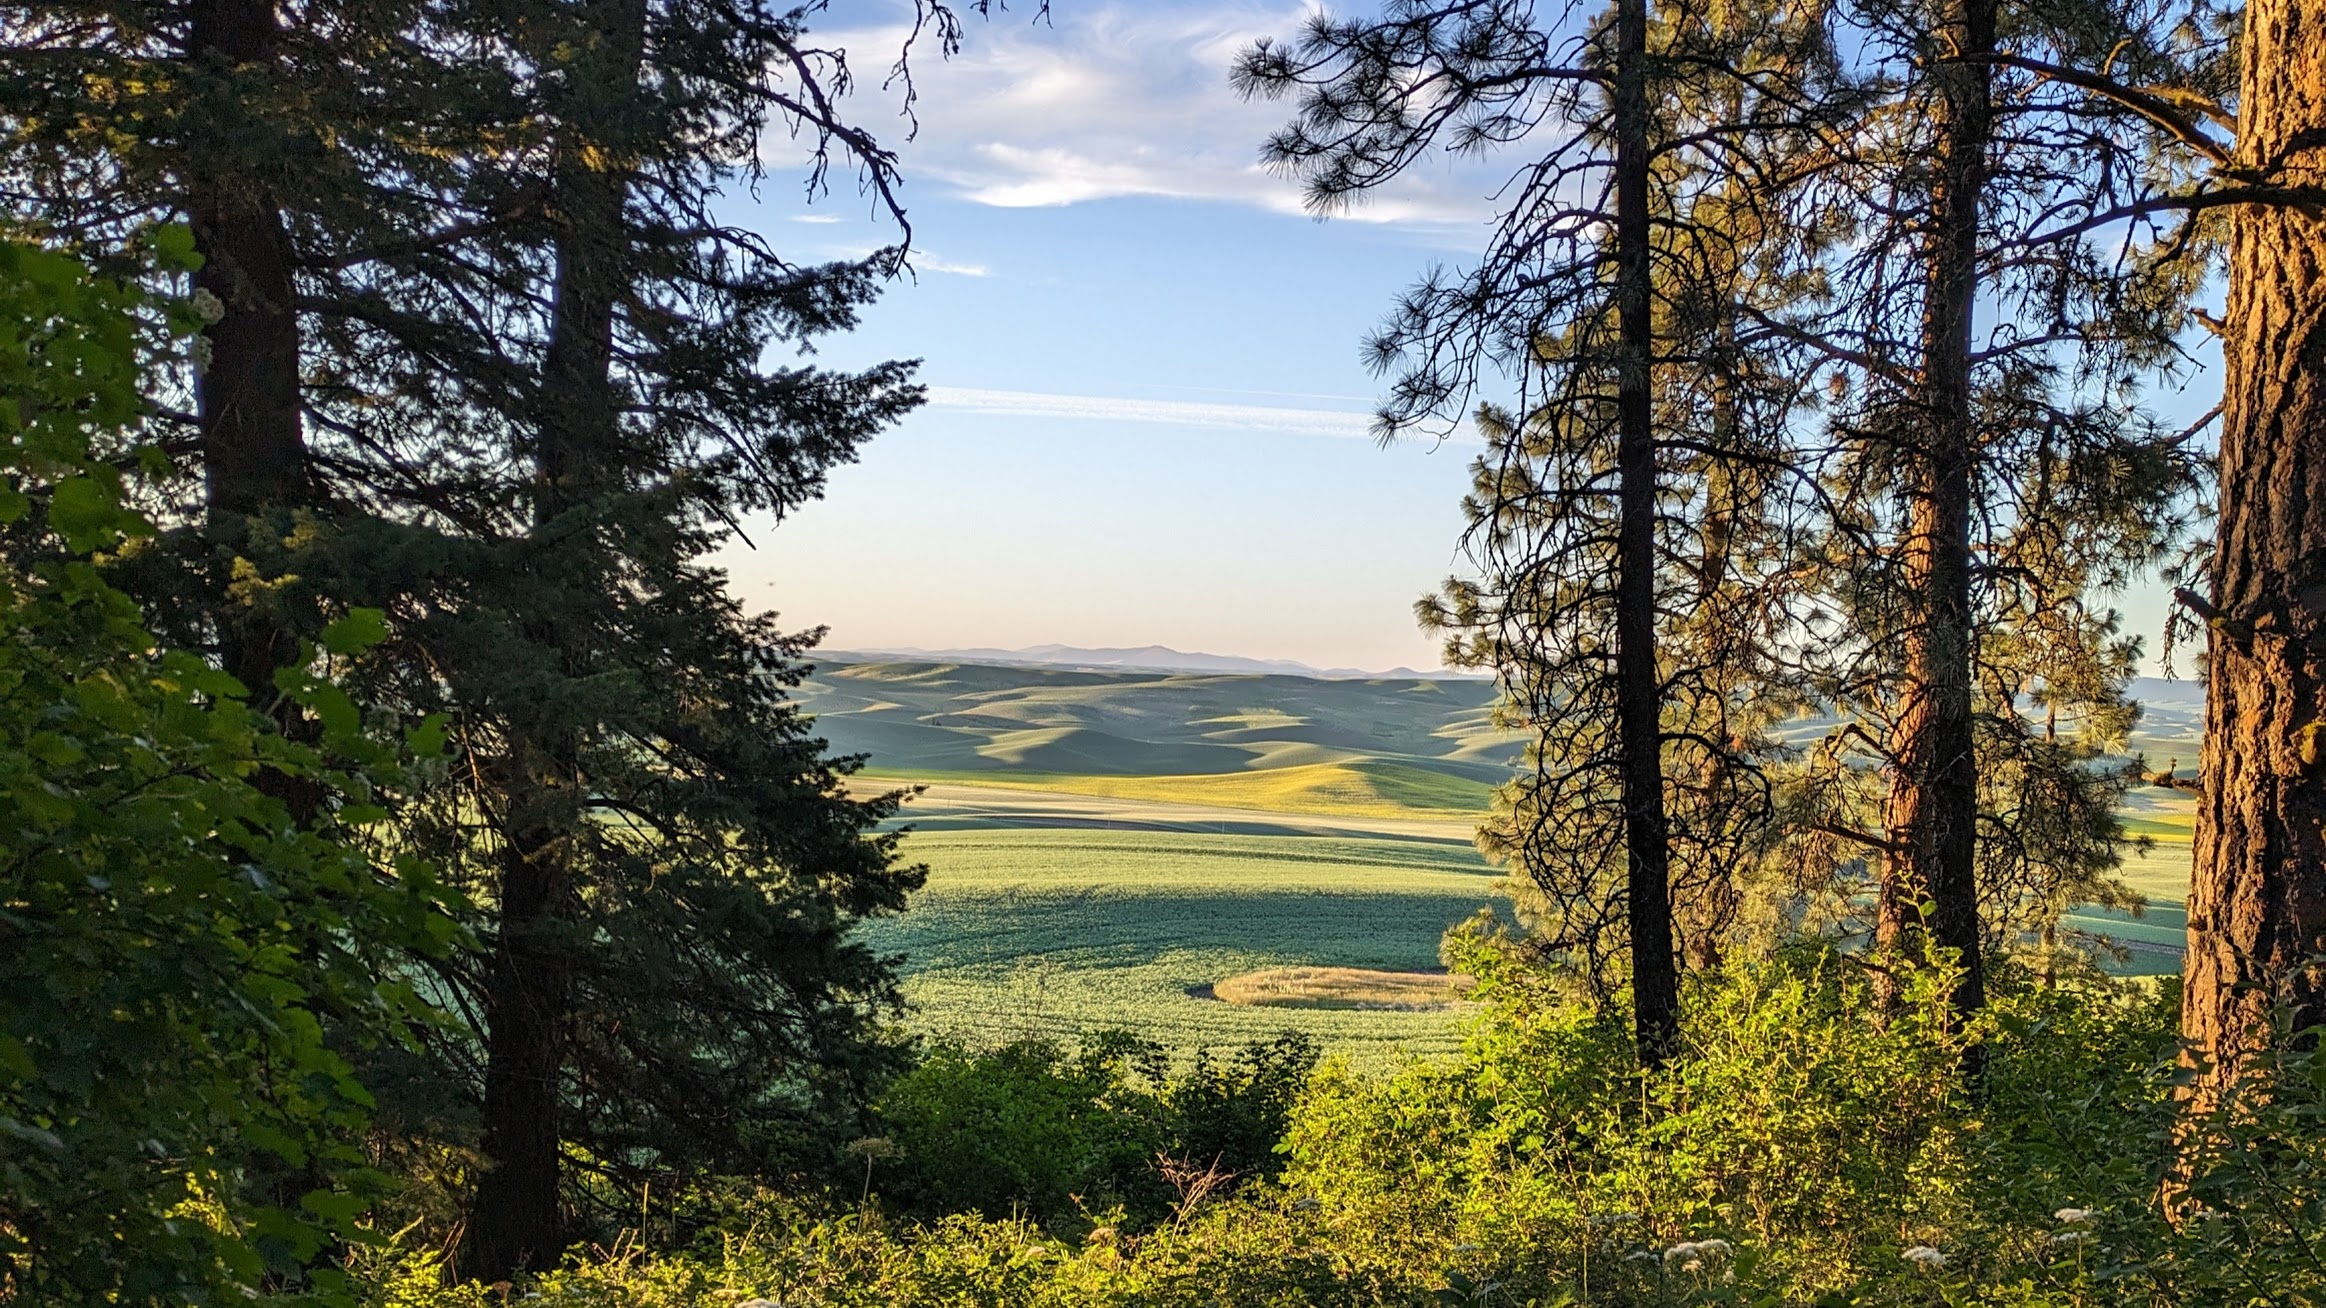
x: 287, y: 140
x: 2227, y: 170
x: 1602, y: 498
x: 1980, y: 481
x: 670, y: 865
x: 536, y: 392
x: 2238, y: 130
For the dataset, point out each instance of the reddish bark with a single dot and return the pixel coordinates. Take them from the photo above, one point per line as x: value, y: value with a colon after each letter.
x: 2257, y: 907
x: 1931, y: 817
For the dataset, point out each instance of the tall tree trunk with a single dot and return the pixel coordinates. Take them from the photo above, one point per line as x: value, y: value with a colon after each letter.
x: 515, y: 1221
x: 254, y: 453
x: 1655, y: 975
x: 2257, y: 907
x: 1932, y: 811
x: 515, y: 1225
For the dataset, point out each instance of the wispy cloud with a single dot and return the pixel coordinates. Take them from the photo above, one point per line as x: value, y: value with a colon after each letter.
x: 1127, y: 99
x: 1182, y: 413
x: 933, y: 264
x: 928, y: 261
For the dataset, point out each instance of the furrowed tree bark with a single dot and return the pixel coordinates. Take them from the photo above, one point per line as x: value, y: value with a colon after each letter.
x: 254, y: 453
x: 1655, y: 979
x: 2257, y: 907
x: 1932, y: 809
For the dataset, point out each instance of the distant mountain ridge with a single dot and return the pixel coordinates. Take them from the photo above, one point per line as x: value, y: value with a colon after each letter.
x: 1143, y: 658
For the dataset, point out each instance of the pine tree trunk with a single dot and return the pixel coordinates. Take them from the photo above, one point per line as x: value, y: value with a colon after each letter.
x: 2257, y: 907
x: 1655, y: 982
x: 254, y: 454
x: 515, y: 1225
x: 1932, y: 811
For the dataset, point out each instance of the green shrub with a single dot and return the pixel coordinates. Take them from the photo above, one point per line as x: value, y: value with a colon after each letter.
x: 1032, y: 1130
x: 1225, y: 1117
x: 1810, y: 1148
x: 1025, y: 1129
x: 182, y: 966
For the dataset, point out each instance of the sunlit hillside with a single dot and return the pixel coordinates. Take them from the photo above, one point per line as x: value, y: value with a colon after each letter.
x: 1281, y: 743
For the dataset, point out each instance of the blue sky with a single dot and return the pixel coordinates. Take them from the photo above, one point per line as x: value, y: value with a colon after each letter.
x: 1148, y: 410
x: 1148, y: 413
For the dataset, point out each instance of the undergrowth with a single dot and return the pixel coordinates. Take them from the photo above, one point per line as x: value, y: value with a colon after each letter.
x: 1807, y: 1148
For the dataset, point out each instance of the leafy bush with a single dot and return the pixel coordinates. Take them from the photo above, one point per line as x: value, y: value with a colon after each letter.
x: 1809, y: 1148
x: 1226, y: 1116
x: 174, y: 1124
x: 1031, y: 1130
x: 1025, y: 1129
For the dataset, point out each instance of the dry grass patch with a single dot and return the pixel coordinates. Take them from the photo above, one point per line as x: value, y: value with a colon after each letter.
x: 1344, y: 987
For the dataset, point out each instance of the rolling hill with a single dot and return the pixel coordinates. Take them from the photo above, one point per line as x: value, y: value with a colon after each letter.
x: 1105, y: 844
x: 1284, y: 743
x: 1276, y: 741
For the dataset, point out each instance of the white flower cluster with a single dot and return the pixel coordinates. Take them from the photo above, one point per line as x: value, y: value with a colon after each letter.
x: 1924, y: 1257
x: 207, y: 306
x: 1693, y: 1255
x: 2071, y: 1217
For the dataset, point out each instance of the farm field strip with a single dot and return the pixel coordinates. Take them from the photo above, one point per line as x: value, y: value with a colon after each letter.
x: 1056, y: 933
x: 983, y: 804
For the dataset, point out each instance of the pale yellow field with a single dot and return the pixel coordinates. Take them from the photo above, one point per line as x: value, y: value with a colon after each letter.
x: 984, y: 804
x: 1345, y: 987
x: 1360, y: 789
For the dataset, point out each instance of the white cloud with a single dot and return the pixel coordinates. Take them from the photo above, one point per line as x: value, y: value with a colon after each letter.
x: 1122, y: 99
x: 927, y: 261
x: 818, y: 218
x: 1183, y: 413
x: 931, y: 263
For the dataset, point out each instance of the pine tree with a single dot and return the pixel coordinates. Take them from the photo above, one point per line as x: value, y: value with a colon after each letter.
x: 669, y: 864
x: 1980, y: 482
x: 285, y: 140
x: 1602, y: 498
x: 2228, y: 100
x: 2257, y: 909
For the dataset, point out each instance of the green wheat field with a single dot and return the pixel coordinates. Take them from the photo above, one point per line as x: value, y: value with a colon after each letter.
x: 1105, y: 846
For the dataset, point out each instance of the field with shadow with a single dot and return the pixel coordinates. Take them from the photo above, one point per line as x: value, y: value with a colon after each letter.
x: 1107, y: 846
